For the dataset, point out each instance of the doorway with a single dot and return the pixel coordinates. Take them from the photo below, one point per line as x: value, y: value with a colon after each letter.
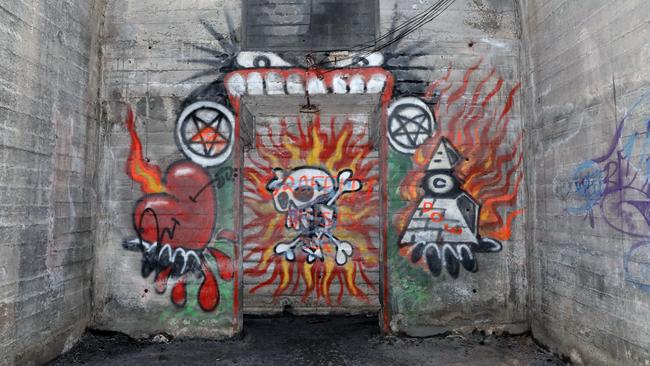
x: 311, y: 205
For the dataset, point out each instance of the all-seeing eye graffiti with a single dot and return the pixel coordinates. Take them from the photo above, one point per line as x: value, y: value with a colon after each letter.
x: 444, y: 227
x: 307, y: 196
x: 464, y: 176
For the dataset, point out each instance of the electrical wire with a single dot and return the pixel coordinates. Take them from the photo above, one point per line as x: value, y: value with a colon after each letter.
x: 414, y: 22
x: 394, y: 35
x: 390, y: 33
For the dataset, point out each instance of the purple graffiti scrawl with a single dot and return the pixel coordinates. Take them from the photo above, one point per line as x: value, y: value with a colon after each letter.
x: 615, y: 187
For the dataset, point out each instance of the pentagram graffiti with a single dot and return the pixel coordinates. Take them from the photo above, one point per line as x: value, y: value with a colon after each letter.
x: 410, y: 123
x: 205, y: 133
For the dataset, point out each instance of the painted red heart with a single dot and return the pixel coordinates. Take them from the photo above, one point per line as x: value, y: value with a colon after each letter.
x: 184, y: 215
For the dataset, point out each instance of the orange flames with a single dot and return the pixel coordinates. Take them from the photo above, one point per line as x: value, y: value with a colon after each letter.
x: 147, y: 175
x: 333, y: 148
x: 478, y: 129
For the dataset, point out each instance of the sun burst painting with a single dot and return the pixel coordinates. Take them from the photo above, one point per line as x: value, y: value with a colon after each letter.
x: 311, y: 217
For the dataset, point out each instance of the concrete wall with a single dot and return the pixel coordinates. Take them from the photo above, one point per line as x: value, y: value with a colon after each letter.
x: 586, y: 83
x: 147, y: 50
x: 306, y: 25
x: 49, y: 77
x: 467, y: 59
x: 445, y: 245
x: 160, y: 58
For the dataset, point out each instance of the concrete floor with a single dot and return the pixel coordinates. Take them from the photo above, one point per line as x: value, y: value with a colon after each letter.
x: 310, y: 341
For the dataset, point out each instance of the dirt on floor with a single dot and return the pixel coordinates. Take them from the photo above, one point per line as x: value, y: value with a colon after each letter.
x: 310, y: 341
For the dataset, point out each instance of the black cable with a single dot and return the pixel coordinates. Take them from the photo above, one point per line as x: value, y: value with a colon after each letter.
x: 404, y: 29
x: 418, y: 26
x: 395, y: 30
x: 373, y: 42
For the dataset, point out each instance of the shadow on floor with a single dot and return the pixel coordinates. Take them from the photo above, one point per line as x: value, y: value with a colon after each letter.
x: 310, y: 341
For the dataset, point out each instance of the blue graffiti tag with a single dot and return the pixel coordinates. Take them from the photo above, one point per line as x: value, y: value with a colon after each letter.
x: 617, y: 184
x: 637, y: 265
x: 588, y: 181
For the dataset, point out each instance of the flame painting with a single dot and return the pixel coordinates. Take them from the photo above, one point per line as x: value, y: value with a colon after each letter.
x: 175, y: 225
x: 478, y: 127
x: 334, y: 147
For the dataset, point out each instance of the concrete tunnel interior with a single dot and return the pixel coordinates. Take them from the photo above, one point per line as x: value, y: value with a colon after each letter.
x: 412, y: 181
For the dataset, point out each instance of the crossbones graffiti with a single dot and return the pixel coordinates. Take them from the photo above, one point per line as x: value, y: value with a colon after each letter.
x: 307, y: 196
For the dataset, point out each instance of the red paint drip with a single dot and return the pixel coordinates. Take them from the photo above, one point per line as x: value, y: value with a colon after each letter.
x: 209, y: 290
x: 179, y: 294
x: 226, y: 269
x: 160, y: 283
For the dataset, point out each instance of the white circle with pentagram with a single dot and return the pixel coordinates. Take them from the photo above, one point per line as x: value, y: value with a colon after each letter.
x: 205, y: 133
x: 410, y: 124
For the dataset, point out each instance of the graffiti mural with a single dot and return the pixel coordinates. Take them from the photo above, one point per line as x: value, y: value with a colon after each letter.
x: 410, y: 123
x: 614, y: 188
x: 312, y: 225
x: 465, y: 174
x: 316, y: 185
x: 308, y: 198
x: 444, y: 226
x: 312, y: 217
x: 205, y: 133
x: 175, y: 222
x: 311, y: 185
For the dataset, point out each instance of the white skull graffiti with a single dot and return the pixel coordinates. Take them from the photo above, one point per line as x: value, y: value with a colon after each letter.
x: 303, y: 187
x: 308, y: 197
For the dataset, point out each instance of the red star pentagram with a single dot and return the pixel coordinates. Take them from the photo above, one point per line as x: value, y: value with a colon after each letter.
x: 211, y: 135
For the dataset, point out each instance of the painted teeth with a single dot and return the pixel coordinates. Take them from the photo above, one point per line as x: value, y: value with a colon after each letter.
x: 182, y: 260
x: 339, y: 85
x: 316, y: 86
x: 357, y: 85
x: 295, y: 85
x: 376, y: 84
x: 237, y: 85
x: 273, y: 83
x: 255, y: 83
